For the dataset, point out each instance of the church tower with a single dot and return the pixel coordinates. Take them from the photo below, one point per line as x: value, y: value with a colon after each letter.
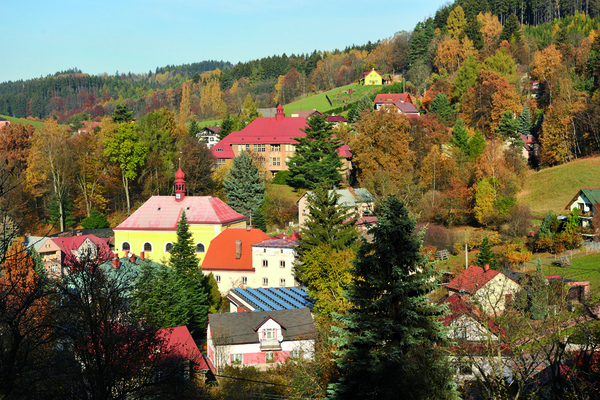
x: 179, y: 184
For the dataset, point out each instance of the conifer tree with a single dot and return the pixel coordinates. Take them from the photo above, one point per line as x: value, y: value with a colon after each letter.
x: 96, y: 220
x: 316, y: 160
x: 486, y: 255
x: 327, y: 224
x: 524, y: 126
x: 392, y: 342
x: 227, y: 126
x: 441, y: 106
x: 259, y: 220
x: 460, y: 136
x: 193, y: 129
x: 476, y: 145
x: 539, y: 294
x: 123, y: 114
x: 511, y: 30
x: 244, y: 187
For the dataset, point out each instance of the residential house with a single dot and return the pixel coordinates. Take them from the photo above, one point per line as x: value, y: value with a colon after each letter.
x: 250, y: 258
x: 337, y: 120
x: 181, y: 347
x: 152, y: 228
x: 357, y: 201
x: 272, y: 139
x: 530, y: 147
x: 268, y: 299
x: 586, y: 201
x: 259, y: 338
x: 492, y: 290
x: 3, y: 122
x: 391, y: 98
x: 306, y: 114
x: 372, y: 78
x: 209, y: 135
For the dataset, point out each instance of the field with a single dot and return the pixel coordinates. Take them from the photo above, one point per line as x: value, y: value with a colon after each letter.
x: 23, y: 121
x: 339, y: 97
x: 552, y: 188
x: 583, y: 268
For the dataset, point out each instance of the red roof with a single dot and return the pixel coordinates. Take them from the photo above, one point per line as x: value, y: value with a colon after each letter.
x: 162, y: 213
x: 336, y: 118
x: 305, y: 113
x: 221, y: 254
x: 472, y: 279
x: 391, y: 98
x: 457, y: 307
x: 67, y: 244
x: 223, y: 148
x: 182, y: 346
x: 270, y: 130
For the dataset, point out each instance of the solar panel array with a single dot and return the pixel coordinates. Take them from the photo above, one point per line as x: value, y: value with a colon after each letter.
x: 269, y: 299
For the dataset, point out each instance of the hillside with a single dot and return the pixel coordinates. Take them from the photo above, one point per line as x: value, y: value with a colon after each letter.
x: 552, y: 188
x: 339, y: 97
x: 23, y: 121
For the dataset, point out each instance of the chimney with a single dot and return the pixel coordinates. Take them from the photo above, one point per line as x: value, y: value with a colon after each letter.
x: 486, y: 267
x: 241, y: 309
x: 115, y: 261
x: 132, y: 258
x: 142, y: 255
x: 249, y: 228
x: 238, y: 249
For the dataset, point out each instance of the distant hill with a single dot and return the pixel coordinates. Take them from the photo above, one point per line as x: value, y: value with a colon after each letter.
x: 339, y: 97
x: 552, y: 188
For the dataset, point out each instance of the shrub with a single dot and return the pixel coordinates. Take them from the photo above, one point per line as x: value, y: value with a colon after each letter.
x: 281, y: 177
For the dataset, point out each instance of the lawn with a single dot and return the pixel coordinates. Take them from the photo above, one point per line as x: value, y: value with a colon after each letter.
x: 552, y: 188
x: 583, y: 268
x: 338, y: 96
x: 22, y: 121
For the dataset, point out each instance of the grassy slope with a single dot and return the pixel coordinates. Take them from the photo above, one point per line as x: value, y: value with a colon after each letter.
x: 337, y: 97
x: 23, y: 121
x: 583, y: 268
x: 553, y: 188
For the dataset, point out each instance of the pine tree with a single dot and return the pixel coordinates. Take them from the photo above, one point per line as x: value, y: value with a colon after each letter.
x: 441, y: 106
x: 227, y: 126
x: 193, y: 129
x: 476, y: 145
x: 486, y: 255
x: 392, y: 341
x: 316, y: 160
x: 524, y: 126
x: 244, y: 187
x: 328, y: 223
x: 54, y: 214
x: 123, y: 114
x: 511, y: 29
x: 259, y: 220
x: 460, y: 136
x: 96, y: 220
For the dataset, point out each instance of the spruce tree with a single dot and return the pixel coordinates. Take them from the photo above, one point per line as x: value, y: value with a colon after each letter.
x: 123, y: 114
x: 328, y: 224
x: 476, y: 145
x: 227, y: 126
x: 524, y: 126
x: 316, y: 160
x: 193, y: 129
x: 392, y: 342
x: 486, y: 255
x: 441, y: 106
x: 511, y: 29
x: 259, y: 220
x: 244, y: 187
x: 460, y: 136
x: 96, y: 220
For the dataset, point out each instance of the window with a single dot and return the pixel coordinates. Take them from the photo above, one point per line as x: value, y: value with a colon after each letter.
x: 200, y: 248
x: 265, y: 281
x: 282, y: 282
x: 54, y: 268
x: 275, y: 161
x: 269, y: 334
x: 247, y: 147
x: 275, y: 147
x: 124, y: 246
x: 168, y: 247
x: 220, y: 162
x: 265, y: 263
x: 282, y: 264
x: 236, y: 359
x: 259, y: 148
x: 281, y: 251
x: 148, y: 246
x: 265, y: 250
x: 270, y: 357
x: 295, y: 354
x: 244, y: 280
x: 218, y: 278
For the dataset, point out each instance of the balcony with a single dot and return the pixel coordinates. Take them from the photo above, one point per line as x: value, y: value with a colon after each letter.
x: 270, y: 344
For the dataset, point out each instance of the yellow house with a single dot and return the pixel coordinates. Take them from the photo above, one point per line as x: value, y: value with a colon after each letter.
x: 152, y: 229
x: 372, y: 78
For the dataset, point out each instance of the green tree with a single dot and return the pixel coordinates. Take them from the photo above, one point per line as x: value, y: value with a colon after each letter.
x: 316, y: 160
x: 460, y: 136
x: 214, y: 295
x: 524, y: 126
x: 392, y: 341
x: 244, y: 187
x: 249, y: 110
x: 486, y: 255
x: 507, y: 130
x: 126, y: 150
x: 502, y: 63
x: 227, y: 126
x: 466, y: 77
x: 476, y: 145
x: 511, y: 30
x: 61, y: 210
x: 123, y: 114
x: 363, y: 104
x: 328, y: 223
x: 441, y: 106
x: 259, y: 220
x: 96, y: 220
x: 539, y: 294
x: 193, y: 129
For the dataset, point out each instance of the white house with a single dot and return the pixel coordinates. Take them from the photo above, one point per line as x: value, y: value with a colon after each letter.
x: 259, y: 338
x: 586, y: 202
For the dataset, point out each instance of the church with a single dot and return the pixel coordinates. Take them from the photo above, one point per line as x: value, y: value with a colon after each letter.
x: 152, y: 229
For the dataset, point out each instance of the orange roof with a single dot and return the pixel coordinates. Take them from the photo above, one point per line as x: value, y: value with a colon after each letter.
x: 472, y: 279
x: 392, y: 98
x: 221, y: 254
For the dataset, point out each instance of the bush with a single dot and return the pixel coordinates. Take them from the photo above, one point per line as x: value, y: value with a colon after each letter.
x: 95, y: 221
x: 281, y: 177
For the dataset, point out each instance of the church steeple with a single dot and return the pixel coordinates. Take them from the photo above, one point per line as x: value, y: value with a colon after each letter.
x: 179, y: 184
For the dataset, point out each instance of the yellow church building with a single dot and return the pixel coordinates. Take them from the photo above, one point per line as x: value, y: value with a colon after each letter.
x: 152, y: 229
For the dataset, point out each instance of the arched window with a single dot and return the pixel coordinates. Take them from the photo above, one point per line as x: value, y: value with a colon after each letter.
x: 148, y: 247
x: 125, y: 246
x: 200, y: 248
x: 168, y: 247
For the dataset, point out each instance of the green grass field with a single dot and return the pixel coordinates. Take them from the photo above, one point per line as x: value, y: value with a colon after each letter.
x: 37, y: 125
x: 583, y: 268
x: 338, y: 96
x: 552, y: 188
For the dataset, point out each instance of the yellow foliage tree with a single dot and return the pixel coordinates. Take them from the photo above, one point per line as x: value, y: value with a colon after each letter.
x: 456, y: 21
x: 546, y: 67
x: 491, y: 29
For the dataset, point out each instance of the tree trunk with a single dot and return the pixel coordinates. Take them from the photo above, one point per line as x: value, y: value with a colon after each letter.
x: 126, y: 186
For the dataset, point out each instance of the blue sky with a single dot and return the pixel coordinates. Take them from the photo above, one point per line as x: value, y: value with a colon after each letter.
x: 42, y: 37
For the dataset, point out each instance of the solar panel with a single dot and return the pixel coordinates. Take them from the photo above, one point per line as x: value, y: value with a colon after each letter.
x: 242, y: 294
x: 276, y: 299
x: 285, y: 297
x: 293, y: 295
x: 264, y: 299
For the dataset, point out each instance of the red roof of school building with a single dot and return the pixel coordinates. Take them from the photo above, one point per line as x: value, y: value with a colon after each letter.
x: 223, y: 148
x: 472, y: 279
x: 221, y: 254
x: 162, y: 213
x: 182, y: 346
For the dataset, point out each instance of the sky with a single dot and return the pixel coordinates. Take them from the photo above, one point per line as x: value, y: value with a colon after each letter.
x: 41, y: 37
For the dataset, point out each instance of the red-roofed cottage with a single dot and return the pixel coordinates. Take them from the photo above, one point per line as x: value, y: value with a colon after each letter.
x: 489, y: 288
x: 151, y: 229
x: 271, y: 138
x: 182, y: 347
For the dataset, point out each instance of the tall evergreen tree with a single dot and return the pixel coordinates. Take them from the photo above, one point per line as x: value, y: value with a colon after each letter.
x: 227, y: 126
x: 327, y: 224
x: 486, y: 255
x: 193, y: 129
x: 244, y: 187
x: 316, y: 160
x: 392, y: 340
x: 539, y: 294
x: 524, y: 125
x: 441, y: 106
x: 476, y: 145
x: 511, y: 29
x: 123, y: 114
x: 460, y: 136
